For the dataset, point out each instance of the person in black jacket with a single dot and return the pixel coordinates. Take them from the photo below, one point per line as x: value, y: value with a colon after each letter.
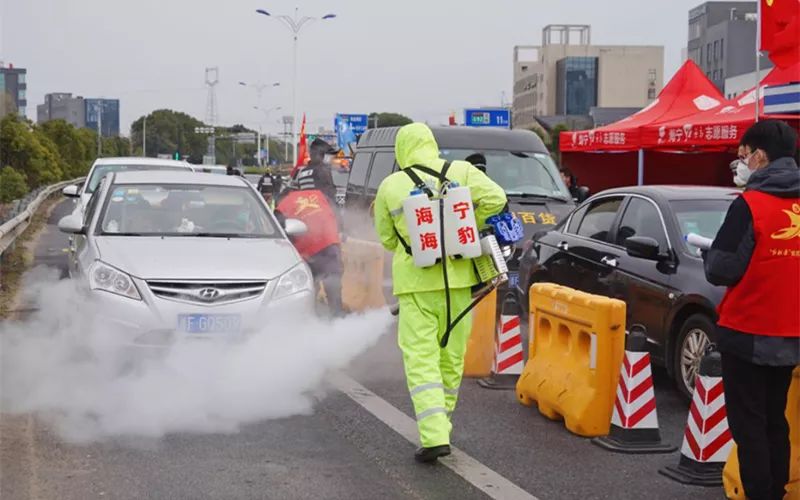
x: 317, y: 174
x: 570, y: 180
x: 756, y: 254
x: 277, y: 184
x: 326, y: 265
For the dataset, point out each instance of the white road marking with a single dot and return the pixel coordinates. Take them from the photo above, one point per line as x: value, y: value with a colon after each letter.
x: 474, y: 472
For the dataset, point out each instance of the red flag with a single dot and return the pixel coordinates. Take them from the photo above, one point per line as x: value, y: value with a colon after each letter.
x: 780, y: 31
x: 302, y: 149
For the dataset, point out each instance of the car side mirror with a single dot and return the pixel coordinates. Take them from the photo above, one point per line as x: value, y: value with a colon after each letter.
x: 643, y: 247
x: 71, y: 191
x: 583, y: 194
x: 71, y: 224
x: 295, y: 227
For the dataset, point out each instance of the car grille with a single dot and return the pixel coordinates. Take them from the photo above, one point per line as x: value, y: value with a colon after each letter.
x: 207, y: 292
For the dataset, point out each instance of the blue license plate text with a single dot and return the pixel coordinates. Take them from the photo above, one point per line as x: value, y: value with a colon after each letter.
x: 209, y: 323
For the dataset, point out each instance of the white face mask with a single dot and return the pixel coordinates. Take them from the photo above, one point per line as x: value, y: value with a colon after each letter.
x: 741, y: 173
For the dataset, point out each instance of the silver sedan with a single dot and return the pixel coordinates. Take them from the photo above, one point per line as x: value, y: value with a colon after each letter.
x: 169, y: 256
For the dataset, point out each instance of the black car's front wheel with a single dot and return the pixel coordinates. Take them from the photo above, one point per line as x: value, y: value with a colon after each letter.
x: 690, y: 346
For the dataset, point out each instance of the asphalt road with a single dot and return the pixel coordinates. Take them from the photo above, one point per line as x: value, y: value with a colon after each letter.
x: 340, y: 451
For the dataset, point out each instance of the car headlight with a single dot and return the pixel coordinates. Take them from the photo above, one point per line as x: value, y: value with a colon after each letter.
x: 106, y: 278
x: 296, y: 280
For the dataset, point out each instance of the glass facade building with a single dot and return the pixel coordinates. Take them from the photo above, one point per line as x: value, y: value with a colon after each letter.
x: 13, y: 91
x: 110, y: 115
x: 576, y: 85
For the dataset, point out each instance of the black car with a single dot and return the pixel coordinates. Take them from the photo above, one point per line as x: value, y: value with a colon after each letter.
x: 629, y: 243
x: 515, y: 159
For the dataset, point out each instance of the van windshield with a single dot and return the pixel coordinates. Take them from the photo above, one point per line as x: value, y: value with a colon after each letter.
x: 521, y: 173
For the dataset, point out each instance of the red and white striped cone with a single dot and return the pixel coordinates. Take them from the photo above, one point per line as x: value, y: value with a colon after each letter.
x: 634, y: 421
x: 509, y: 355
x: 707, y: 441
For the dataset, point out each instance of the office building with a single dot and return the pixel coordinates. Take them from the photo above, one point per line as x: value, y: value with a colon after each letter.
x: 62, y: 106
x: 103, y: 113
x: 568, y: 76
x: 722, y: 40
x: 13, y: 90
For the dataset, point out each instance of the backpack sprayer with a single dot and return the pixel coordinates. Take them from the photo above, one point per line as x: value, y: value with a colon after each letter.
x: 442, y: 225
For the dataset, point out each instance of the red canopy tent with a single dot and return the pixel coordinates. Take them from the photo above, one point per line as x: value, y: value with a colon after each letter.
x: 719, y: 128
x: 613, y: 156
x: 687, y: 93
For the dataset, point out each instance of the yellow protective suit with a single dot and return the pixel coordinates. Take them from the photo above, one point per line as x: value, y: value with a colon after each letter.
x: 433, y: 374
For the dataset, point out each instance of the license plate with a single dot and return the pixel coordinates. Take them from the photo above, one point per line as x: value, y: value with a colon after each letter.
x: 209, y: 323
x: 513, y: 280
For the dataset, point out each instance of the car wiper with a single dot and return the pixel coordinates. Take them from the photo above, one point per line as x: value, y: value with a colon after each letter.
x: 219, y: 235
x: 535, y: 195
x: 108, y: 233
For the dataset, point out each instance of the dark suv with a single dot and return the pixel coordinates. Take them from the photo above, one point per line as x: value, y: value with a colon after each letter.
x: 515, y: 159
x: 628, y: 243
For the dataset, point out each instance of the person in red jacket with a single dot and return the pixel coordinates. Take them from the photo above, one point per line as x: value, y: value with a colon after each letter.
x: 756, y: 254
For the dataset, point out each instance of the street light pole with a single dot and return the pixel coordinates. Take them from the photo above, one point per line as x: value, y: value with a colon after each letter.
x: 295, y: 25
x: 258, y: 147
x: 266, y: 118
x: 100, y: 130
x: 259, y: 91
x: 294, y: 97
x: 260, y: 87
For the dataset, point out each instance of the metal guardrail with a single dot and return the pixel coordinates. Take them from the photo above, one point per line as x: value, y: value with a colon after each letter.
x: 10, y: 230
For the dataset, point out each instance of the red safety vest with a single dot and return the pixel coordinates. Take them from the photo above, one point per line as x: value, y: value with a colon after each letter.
x: 311, y: 207
x: 766, y: 301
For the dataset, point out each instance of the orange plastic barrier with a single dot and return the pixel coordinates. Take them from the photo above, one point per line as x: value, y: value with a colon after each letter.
x: 730, y: 475
x: 577, y: 341
x: 480, y: 347
x: 362, y: 281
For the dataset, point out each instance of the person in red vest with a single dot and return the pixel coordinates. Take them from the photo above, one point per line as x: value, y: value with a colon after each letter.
x: 756, y: 254
x: 311, y: 197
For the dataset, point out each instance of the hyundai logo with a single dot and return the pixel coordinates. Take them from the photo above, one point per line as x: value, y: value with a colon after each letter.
x: 208, y: 294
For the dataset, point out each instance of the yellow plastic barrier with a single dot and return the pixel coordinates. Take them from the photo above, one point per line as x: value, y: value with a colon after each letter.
x: 730, y: 475
x: 577, y: 342
x: 480, y: 347
x: 362, y: 280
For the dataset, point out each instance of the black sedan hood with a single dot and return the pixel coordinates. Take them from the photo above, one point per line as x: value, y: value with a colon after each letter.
x: 536, y: 215
x: 539, y: 214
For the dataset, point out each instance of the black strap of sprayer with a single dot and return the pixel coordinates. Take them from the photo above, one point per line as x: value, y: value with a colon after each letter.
x: 442, y: 176
x: 420, y: 184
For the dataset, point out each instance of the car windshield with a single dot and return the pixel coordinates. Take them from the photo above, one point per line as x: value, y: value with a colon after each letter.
x: 518, y: 172
x: 703, y: 217
x: 185, y: 210
x: 100, y: 171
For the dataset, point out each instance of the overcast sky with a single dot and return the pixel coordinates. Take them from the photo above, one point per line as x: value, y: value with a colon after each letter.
x: 423, y: 58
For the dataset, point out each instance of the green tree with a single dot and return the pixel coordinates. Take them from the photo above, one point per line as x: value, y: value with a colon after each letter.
x: 169, y: 131
x: 12, y: 185
x: 77, y: 154
x: 555, y: 138
x: 388, y: 120
x: 29, y: 152
x: 116, y: 146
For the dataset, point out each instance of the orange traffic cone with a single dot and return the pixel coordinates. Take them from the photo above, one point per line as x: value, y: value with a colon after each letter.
x: 707, y: 441
x: 634, y: 421
x: 509, y: 356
